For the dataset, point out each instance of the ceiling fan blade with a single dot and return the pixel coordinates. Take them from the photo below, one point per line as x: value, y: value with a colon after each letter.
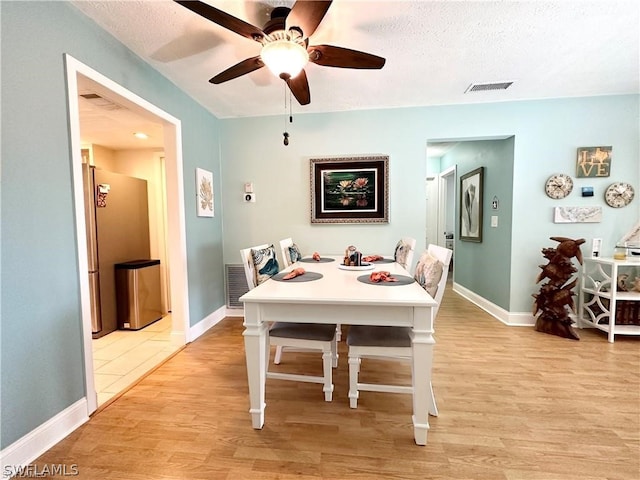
x: 330, y: 56
x: 307, y: 15
x: 239, y: 69
x: 299, y: 86
x: 224, y: 19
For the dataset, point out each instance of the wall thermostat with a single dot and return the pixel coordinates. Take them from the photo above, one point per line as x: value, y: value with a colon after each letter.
x: 248, y: 194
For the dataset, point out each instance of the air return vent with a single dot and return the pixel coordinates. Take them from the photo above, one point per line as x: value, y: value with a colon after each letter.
x: 100, y: 101
x: 236, y: 285
x: 484, y: 87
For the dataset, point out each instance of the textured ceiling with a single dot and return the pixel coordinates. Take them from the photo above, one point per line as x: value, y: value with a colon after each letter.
x: 434, y: 50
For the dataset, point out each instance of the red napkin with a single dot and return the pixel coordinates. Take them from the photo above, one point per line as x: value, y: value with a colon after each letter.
x: 372, y: 258
x: 381, y: 277
x: 296, y: 272
x: 316, y: 256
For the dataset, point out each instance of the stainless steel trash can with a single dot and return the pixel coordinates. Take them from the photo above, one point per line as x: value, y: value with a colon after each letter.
x: 138, y: 293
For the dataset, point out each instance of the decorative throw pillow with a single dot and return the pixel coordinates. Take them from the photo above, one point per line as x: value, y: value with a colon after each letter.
x: 429, y: 272
x: 294, y: 253
x: 400, y: 255
x: 265, y: 263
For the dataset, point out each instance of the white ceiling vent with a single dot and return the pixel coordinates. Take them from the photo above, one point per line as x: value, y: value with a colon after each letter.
x: 100, y: 101
x: 484, y: 87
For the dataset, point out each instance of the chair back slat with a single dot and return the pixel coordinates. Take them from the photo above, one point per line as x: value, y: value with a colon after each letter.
x: 444, y: 255
x: 284, y: 250
x: 409, y: 243
x: 247, y: 263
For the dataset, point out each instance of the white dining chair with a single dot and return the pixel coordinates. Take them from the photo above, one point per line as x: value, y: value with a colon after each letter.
x: 395, y: 343
x: 290, y: 252
x: 304, y: 336
x: 403, y: 253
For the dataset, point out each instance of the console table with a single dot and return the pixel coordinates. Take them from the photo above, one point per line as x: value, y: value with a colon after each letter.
x: 599, y: 295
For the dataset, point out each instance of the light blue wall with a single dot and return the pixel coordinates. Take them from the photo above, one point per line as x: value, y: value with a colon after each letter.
x: 41, y: 354
x: 546, y: 135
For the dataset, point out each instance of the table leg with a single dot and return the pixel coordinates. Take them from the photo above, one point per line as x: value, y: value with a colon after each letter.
x: 256, y: 351
x: 422, y: 360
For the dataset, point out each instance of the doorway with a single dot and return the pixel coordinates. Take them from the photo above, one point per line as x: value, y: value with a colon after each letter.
x: 175, y: 229
x: 441, y: 196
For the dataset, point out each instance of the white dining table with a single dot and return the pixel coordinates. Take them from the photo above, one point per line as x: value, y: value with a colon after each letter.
x: 339, y: 297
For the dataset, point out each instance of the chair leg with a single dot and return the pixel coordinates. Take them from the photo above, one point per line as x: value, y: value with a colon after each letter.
x: 354, y: 369
x: 338, y: 332
x: 433, y: 408
x: 334, y: 353
x: 278, y: 355
x: 327, y: 370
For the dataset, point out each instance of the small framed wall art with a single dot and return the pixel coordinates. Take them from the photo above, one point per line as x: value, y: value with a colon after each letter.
x: 204, y: 193
x: 471, y: 186
x: 593, y: 162
x: 577, y: 214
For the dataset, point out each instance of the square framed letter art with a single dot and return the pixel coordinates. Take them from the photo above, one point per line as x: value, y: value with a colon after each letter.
x: 593, y: 162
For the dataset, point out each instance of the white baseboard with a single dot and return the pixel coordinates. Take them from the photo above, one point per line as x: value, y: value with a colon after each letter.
x: 25, y: 450
x: 514, y: 319
x: 235, y: 312
x: 206, y: 323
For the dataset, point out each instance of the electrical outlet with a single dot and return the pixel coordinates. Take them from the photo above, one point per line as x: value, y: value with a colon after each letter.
x: 249, y: 197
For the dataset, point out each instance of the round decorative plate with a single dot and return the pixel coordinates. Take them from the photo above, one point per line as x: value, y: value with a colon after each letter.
x: 364, y: 266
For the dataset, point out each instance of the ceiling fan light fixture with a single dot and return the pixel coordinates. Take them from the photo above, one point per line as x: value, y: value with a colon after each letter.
x: 285, y: 58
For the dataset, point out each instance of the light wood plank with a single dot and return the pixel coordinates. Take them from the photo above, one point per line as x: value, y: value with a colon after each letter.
x: 515, y: 404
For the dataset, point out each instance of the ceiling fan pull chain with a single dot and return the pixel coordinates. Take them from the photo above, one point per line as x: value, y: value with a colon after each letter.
x: 285, y: 134
x: 290, y: 114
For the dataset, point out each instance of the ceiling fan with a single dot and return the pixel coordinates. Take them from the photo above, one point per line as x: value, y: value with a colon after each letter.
x: 285, y: 44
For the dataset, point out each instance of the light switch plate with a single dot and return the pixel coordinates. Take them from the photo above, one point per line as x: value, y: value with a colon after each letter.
x: 494, y: 221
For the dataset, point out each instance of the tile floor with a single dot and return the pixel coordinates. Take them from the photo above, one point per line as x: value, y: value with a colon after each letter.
x: 124, y: 356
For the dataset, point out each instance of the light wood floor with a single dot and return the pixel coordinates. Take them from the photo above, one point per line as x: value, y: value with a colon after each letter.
x: 515, y: 404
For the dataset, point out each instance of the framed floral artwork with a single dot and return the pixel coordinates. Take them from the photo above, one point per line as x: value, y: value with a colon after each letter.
x: 204, y: 193
x: 350, y: 189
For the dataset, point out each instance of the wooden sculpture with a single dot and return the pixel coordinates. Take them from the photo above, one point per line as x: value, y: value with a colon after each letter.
x: 555, y: 299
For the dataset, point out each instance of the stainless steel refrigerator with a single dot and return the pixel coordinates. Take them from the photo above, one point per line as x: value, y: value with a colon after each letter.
x: 117, y: 219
